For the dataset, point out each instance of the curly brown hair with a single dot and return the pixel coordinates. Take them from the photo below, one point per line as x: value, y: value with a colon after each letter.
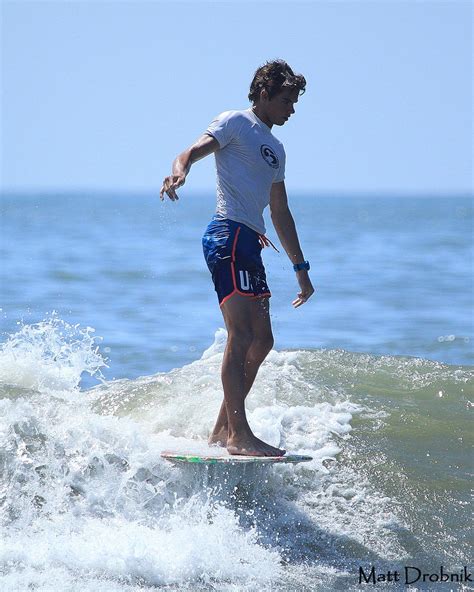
x: 273, y: 76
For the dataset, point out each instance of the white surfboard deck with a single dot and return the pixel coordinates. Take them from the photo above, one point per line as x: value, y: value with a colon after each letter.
x: 196, y: 457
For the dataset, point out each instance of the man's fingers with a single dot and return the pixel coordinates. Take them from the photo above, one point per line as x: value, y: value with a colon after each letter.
x: 173, y: 188
x: 172, y: 193
x: 301, y: 299
x: 163, y: 190
x: 298, y: 301
x: 169, y: 187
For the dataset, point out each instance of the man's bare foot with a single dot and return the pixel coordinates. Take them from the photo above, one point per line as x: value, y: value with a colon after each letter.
x: 218, y: 438
x: 250, y: 445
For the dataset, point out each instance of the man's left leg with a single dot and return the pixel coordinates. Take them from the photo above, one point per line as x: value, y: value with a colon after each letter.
x: 262, y: 343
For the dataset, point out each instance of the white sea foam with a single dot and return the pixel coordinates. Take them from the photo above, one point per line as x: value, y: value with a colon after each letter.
x: 284, y: 409
x: 87, y: 503
x: 50, y: 355
x: 90, y: 493
x: 193, y: 546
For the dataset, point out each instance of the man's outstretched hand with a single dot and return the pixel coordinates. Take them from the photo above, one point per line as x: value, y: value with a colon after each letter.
x: 170, y: 184
x: 306, y: 288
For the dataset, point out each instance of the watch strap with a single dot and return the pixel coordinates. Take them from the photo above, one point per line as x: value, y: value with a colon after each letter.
x: 300, y: 266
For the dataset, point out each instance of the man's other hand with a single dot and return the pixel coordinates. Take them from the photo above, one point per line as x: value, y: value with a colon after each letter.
x: 306, y: 288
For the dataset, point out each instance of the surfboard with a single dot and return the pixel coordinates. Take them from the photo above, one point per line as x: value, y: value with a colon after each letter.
x: 193, y: 457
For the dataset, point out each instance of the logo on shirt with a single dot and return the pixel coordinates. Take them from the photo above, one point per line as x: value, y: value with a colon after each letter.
x: 269, y: 156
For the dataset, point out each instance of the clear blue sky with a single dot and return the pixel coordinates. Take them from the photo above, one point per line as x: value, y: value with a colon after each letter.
x: 103, y: 95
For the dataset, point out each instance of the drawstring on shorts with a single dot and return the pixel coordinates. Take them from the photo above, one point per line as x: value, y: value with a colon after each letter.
x: 266, y: 242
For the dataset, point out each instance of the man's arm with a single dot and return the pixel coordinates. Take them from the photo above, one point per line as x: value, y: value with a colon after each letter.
x: 204, y: 146
x: 286, y: 230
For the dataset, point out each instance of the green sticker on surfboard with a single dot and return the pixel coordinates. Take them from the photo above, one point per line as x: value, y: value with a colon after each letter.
x: 193, y: 457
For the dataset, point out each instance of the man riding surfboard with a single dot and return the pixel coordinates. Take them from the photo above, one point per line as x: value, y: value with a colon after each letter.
x: 250, y: 163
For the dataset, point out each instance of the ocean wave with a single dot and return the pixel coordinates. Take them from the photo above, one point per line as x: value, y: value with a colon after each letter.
x: 86, y: 498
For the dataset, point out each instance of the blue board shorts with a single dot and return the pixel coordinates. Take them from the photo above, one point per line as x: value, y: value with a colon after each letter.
x: 233, y: 255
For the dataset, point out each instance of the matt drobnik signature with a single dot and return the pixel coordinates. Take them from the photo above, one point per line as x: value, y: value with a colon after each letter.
x: 411, y: 574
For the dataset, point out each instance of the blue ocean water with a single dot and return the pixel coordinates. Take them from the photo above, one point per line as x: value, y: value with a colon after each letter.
x: 373, y: 378
x: 392, y: 275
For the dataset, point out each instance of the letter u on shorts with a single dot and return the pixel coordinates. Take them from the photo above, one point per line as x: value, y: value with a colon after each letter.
x: 233, y: 255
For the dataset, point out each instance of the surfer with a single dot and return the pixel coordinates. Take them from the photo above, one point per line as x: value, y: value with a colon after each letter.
x: 250, y: 164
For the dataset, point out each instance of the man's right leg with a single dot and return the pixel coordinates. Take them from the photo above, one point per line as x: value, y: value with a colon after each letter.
x: 262, y: 343
x: 253, y: 362
x: 239, y: 314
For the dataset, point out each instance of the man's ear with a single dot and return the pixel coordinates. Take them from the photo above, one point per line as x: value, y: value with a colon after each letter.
x: 264, y: 95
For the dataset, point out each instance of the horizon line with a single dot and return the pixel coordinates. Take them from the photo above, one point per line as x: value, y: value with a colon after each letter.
x: 200, y: 192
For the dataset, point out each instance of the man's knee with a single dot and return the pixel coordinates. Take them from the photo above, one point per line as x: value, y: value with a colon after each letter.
x: 239, y: 338
x: 261, y: 345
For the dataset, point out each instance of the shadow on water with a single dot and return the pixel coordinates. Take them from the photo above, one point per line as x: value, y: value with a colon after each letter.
x: 259, y: 499
x: 313, y: 558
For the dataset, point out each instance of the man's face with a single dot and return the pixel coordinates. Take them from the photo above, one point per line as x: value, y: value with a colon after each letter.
x: 280, y: 108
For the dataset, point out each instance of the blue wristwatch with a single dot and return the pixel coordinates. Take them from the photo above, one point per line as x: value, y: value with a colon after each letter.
x: 300, y: 266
